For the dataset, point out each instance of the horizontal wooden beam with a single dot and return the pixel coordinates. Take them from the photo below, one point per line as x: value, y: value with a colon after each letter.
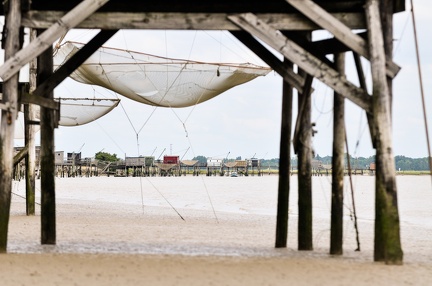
x: 340, y: 31
x: 183, y: 21
x: 27, y: 98
x: 306, y: 61
x: 47, y: 38
x: 333, y: 46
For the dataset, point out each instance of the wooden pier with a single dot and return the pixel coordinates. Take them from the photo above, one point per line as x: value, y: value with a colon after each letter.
x: 284, y: 25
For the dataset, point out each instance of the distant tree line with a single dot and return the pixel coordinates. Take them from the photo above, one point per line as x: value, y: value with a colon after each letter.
x: 402, y: 163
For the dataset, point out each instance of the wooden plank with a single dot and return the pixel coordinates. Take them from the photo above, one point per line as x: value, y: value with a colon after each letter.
x: 340, y: 31
x: 304, y: 154
x: 73, y: 63
x: 307, y: 91
x: 303, y: 59
x: 30, y: 111
x: 27, y: 98
x: 20, y: 155
x: 183, y: 21
x: 209, y: 6
x: 7, y: 128
x: 333, y: 45
x: 284, y: 163
x: 362, y: 81
x: 387, y: 244
x: 46, y: 39
x: 287, y: 74
x: 338, y: 166
x: 47, y: 161
x: 309, y: 46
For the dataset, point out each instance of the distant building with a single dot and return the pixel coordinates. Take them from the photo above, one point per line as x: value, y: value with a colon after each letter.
x: 59, y: 158
x: 73, y: 158
x: 171, y: 160
x: 142, y: 161
x: 211, y: 162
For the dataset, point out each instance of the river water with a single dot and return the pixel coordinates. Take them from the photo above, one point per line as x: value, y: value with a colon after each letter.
x: 254, y: 196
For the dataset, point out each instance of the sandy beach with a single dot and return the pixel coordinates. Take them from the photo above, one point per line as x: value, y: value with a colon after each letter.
x: 100, y: 242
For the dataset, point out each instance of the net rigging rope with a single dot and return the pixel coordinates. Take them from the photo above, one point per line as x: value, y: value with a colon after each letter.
x: 156, y: 80
x: 421, y: 88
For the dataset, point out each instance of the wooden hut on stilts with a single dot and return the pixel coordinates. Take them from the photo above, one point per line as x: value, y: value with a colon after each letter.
x: 284, y: 25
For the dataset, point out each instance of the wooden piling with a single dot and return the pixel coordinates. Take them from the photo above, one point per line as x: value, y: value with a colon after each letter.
x: 387, y: 245
x: 48, y: 121
x: 336, y: 229
x: 30, y: 116
x: 304, y: 153
x: 8, y: 117
x: 284, y: 163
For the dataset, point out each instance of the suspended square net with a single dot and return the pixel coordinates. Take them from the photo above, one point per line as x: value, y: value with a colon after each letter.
x: 79, y: 111
x: 154, y: 80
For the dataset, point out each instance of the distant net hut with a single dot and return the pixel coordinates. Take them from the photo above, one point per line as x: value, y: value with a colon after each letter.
x: 214, y: 166
x: 170, y: 166
x: 140, y: 166
x: 187, y: 165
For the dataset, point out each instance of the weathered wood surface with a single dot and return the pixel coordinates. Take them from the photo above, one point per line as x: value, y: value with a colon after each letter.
x: 47, y: 161
x: 209, y: 6
x: 304, y: 154
x: 288, y: 75
x: 338, y: 166
x: 20, y: 155
x: 30, y: 111
x: 333, y: 45
x: 310, y: 64
x: 72, y: 64
x: 10, y: 96
x: 340, y: 31
x: 387, y: 246
x: 362, y: 82
x: 284, y: 163
x: 184, y: 21
x: 307, y: 90
x: 46, y: 39
x: 27, y: 98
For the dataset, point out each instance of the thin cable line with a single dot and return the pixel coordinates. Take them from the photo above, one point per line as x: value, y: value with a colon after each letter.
x: 421, y: 88
x: 166, y: 199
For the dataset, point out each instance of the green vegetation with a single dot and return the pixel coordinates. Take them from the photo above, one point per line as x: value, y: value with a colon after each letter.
x: 403, y: 164
x: 201, y: 159
x: 417, y: 164
x: 104, y: 156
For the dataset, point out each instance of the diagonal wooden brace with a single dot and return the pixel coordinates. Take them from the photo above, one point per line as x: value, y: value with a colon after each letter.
x: 47, y: 38
x: 306, y: 61
x: 340, y: 31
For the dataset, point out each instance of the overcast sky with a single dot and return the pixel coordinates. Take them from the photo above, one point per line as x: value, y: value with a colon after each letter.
x: 245, y: 121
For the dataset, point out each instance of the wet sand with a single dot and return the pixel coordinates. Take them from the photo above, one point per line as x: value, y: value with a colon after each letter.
x: 104, y: 246
x: 105, y: 243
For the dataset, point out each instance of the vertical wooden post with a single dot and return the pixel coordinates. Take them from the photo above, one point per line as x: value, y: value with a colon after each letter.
x: 336, y: 233
x: 30, y: 116
x: 285, y: 163
x: 386, y: 8
x: 48, y: 215
x: 8, y: 116
x: 387, y: 246
x: 304, y: 152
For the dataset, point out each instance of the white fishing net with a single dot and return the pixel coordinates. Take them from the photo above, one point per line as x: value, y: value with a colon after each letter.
x: 73, y: 112
x: 79, y: 111
x: 157, y: 81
